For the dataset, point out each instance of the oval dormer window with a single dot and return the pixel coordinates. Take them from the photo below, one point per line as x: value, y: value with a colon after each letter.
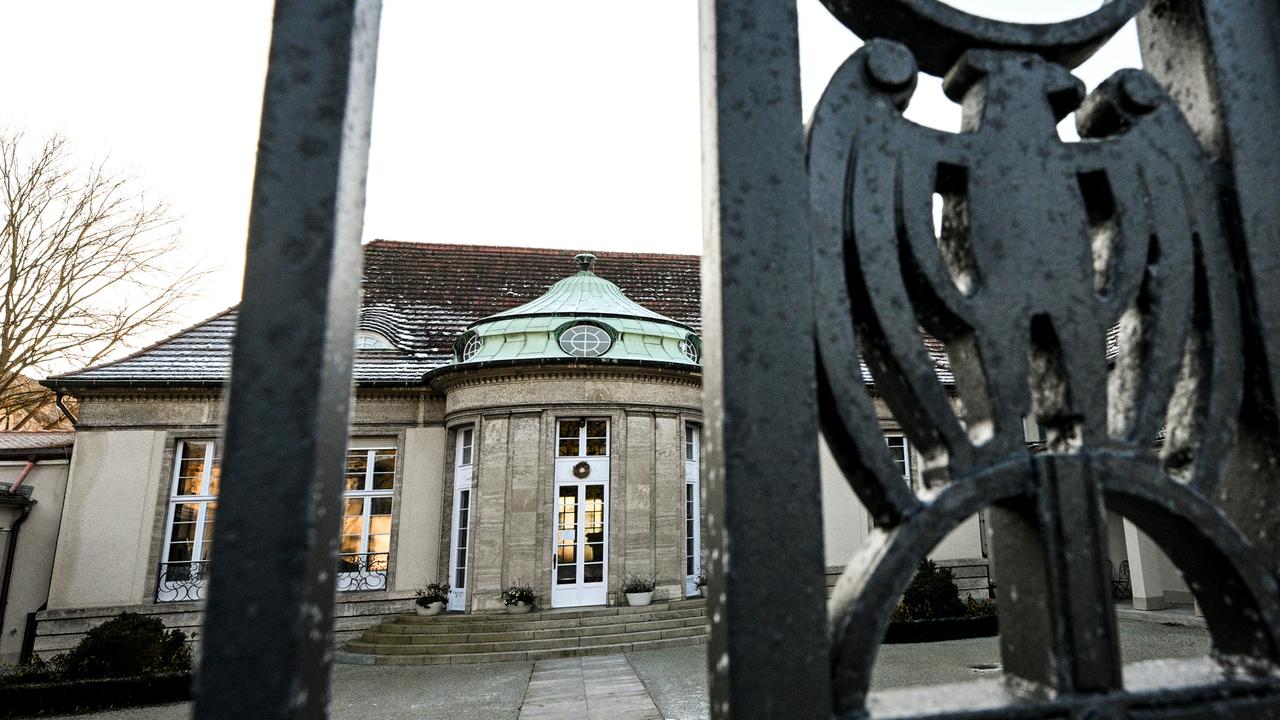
x: 366, y: 340
x: 691, y: 348
x: 585, y: 341
x: 470, y: 347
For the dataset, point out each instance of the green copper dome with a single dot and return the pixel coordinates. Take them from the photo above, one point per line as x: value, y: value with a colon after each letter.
x: 581, y: 316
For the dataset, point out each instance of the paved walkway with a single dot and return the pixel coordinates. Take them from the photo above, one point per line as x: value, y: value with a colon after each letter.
x: 668, y: 684
x: 591, y: 688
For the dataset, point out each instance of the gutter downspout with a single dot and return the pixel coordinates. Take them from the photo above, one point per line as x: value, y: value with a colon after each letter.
x: 12, y: 550
x: 57, y: 400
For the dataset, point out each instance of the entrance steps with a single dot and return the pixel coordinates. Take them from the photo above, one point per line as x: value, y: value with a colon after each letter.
x: 458, y: 639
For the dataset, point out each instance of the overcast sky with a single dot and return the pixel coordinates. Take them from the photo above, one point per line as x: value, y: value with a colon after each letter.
x: 570, y: 124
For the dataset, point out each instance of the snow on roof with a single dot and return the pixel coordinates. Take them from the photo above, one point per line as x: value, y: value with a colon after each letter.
x: 421, y: 296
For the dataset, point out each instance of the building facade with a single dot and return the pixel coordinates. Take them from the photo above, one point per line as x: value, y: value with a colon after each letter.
x: 521, y: 416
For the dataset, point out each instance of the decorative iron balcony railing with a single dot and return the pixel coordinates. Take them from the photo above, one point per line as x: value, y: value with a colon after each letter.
x: 363, y: 571
x: 181, y: 581
x: 186, y: 581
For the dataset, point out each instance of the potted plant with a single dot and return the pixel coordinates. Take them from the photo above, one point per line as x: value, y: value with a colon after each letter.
x: 701, y: 582
x: 518, y: 599
x: 431, y: 599
x: 639, y: 589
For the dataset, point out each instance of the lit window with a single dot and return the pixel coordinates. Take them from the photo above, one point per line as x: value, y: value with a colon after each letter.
x: 583, y: 438
x: 366, y: 340
x: 193, y: 502
x: 364, y: 546
x: 585, y: 341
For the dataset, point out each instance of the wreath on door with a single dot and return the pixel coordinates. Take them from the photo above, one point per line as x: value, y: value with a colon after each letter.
x: 581, y: 470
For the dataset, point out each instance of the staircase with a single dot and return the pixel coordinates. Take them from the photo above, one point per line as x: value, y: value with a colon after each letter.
x: 457, y: 639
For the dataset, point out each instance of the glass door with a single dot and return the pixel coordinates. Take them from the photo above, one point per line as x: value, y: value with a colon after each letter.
x: 461, y: 535
x: 579, y: 573
x: 692, y: 508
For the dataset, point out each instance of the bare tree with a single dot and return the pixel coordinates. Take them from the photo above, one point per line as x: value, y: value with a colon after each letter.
x: 87, y: 262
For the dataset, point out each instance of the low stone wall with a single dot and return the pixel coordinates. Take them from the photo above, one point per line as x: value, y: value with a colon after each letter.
x: 972, y: 575
x: 59, y: 630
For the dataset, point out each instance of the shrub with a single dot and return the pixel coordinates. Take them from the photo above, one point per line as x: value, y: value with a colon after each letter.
x: 128, y: 645
x: 932, y: 594
x: 639, y: 584
x: 433, y: 593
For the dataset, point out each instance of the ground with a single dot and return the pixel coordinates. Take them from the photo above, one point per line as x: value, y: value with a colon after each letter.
x: 675, y: 681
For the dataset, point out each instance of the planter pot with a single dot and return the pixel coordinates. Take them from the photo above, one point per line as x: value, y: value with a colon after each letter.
x: 519, y: 608
x: 434, y: 608
x: 915, y: 631
x: 639, y: 599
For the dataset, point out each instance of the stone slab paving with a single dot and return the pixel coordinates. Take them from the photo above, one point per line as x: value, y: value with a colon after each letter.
x: 591, y: 688
x: 667, y: 684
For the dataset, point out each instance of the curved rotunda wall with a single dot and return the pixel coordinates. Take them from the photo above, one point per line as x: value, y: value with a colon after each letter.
x: 514, y: 413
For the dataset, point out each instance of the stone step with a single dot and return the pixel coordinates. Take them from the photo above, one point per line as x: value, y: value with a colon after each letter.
x: 519, y: 655
x: 380, y: 635
x: 559, y: 614
x: 414, y: 639
x: 419, y: 625
x: 561, y: 643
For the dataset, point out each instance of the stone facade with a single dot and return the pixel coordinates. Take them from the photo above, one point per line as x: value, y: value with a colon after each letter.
x: 514, y: 412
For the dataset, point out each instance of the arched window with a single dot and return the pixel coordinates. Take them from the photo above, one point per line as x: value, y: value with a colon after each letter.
x: 369, y: 340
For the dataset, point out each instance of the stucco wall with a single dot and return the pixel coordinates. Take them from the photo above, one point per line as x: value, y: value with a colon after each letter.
x: 36, y: 541
x: 103, y: 555
x: 418, y: 513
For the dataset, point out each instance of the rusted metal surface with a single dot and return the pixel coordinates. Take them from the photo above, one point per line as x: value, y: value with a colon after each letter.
x: 268, y: 637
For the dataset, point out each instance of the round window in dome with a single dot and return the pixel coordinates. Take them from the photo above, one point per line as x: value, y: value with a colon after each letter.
x: 472, y: 346
x: 690, y: 347
x: 585, y: 341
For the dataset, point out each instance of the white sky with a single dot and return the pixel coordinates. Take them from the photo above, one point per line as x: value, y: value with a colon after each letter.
x: 566, y: 123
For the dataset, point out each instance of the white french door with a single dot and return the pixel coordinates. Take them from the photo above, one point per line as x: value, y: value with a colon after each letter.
x: 692, y: 508
x: 580, y: 541
x: 463, y: 497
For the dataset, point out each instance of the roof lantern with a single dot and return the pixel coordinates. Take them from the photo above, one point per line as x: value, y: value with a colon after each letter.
x: 582, y: 316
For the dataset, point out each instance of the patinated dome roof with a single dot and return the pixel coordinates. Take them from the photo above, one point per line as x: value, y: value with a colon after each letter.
x: 582, y: 316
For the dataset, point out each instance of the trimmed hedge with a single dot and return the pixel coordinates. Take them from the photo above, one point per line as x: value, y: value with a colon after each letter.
x: 918, y: 631
x: 18, y: 699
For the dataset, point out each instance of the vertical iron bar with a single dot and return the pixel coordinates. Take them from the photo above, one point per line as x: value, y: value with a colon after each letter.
x: 269, y: 622
x: 1220, y: 60
x: 769, y: 652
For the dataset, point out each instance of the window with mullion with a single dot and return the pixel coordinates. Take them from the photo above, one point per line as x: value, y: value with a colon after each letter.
x: 192, y: 503
x: 365, y: 543
x: 582, y: 437
x: 901, y: 451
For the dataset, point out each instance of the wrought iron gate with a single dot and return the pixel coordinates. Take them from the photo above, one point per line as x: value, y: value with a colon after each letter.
x: 1136, y: 261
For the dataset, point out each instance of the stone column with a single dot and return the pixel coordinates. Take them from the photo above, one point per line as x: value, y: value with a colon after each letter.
x: 1144, y: 569
x: 489, y: 485
x: 637, y: 493
x: 523, y: 545
x: 669, y: 536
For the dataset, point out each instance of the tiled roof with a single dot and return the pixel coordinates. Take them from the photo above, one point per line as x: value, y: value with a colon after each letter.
x: 36, y: 439
x: 421, y: 296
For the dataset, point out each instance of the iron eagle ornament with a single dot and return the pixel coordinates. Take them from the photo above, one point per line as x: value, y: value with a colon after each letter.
x: 1085, y: 286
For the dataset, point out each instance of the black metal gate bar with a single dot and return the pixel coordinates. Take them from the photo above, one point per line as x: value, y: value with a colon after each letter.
x: 1221, y: 63
x: 268, y: 633
x: 768, y: 653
